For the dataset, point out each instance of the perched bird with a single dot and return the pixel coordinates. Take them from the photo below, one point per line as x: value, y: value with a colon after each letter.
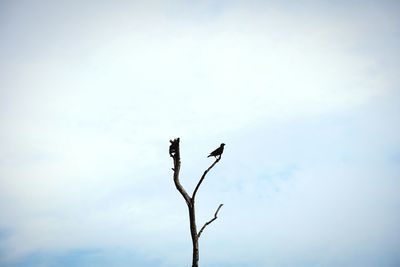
x: 218, y: 151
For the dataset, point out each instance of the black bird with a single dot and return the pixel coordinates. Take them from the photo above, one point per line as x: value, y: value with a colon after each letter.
x: 218, y: 151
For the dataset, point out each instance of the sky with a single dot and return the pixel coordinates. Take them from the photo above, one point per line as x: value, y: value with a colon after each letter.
x: 305, y: 95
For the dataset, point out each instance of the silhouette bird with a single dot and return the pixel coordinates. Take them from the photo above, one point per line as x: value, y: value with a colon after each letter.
x: 218, y: 151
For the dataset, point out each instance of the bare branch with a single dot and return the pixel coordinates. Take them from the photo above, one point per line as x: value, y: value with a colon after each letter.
x: 210, y: 221
x: 204, y: 176
x: 174, y: 153
x: 178, y: 185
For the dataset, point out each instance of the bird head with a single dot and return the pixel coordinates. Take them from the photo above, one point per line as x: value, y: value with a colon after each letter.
x: 222, y: 144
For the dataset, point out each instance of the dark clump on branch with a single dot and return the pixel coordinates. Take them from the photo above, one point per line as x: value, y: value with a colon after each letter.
x: 218, y: 151
x: 174, y: 147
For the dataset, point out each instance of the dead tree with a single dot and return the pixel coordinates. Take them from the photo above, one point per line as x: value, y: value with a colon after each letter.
x: 190, y: 200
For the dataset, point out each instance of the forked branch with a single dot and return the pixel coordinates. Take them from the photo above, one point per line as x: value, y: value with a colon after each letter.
x: 190, y: 201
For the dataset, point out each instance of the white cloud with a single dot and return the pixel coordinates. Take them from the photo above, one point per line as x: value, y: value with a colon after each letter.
x: 89, y: 107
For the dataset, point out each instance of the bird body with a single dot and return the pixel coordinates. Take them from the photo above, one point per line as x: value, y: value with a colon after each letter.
x: 218, y: 151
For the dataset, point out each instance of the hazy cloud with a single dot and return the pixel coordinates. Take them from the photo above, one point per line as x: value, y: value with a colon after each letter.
x: 305, y: 95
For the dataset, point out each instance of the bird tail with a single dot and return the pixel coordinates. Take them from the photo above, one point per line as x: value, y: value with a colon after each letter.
x: 209, y: 156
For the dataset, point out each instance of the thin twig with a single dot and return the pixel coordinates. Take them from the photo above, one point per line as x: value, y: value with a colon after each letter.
x: 204, y: 176
x: 210, y: 221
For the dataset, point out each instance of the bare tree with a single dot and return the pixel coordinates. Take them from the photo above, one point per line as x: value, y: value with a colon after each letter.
x: 190, y: 200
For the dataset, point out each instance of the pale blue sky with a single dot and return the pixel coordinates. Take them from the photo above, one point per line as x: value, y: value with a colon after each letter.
x: 305, y: 94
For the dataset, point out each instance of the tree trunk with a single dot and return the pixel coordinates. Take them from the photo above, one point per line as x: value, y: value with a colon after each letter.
x: 193, y: 232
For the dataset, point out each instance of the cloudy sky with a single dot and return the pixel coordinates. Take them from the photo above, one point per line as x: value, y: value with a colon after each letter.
x: 305, y: 94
